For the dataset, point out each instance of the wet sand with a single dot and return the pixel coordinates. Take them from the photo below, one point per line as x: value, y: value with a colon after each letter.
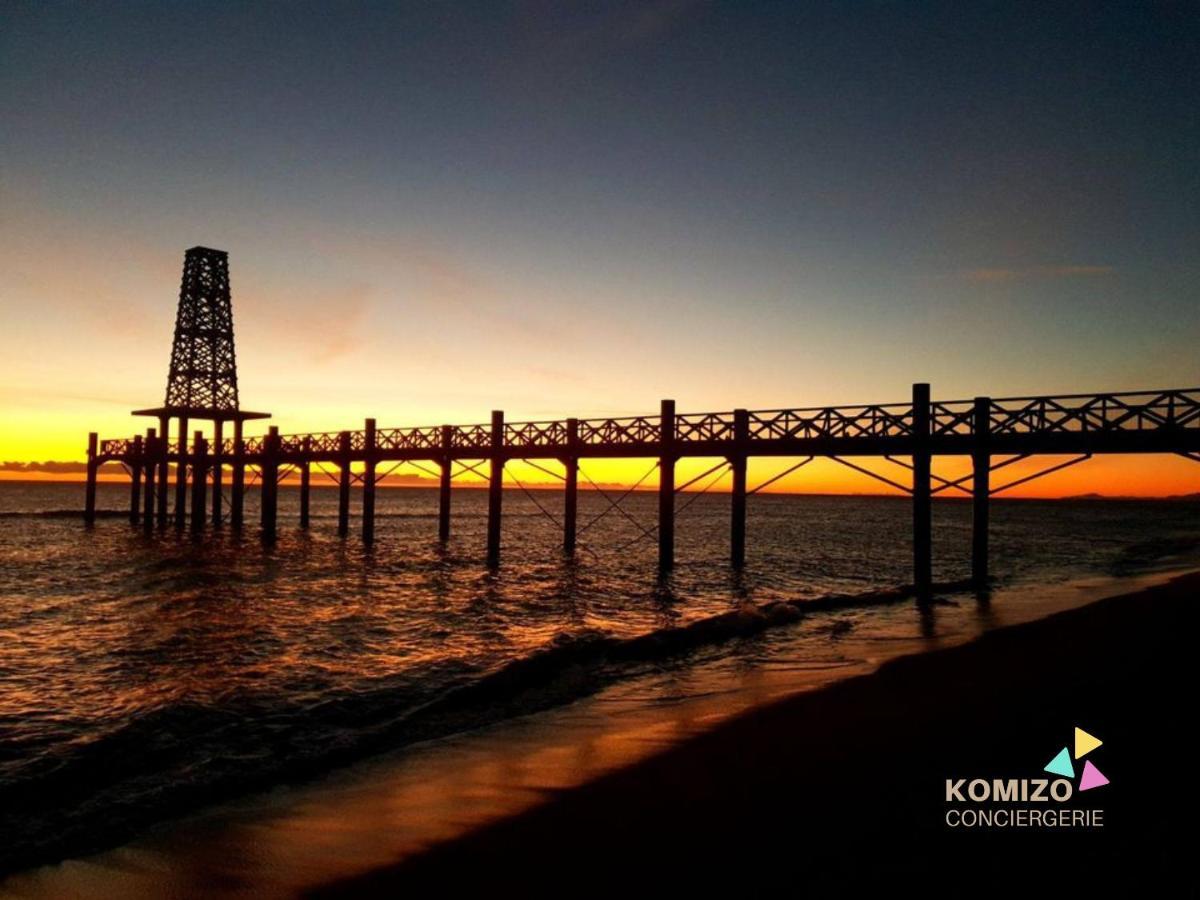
x: 843, y: 789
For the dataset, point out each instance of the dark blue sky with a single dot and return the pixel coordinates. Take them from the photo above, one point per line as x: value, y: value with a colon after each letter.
x: 587, y: 206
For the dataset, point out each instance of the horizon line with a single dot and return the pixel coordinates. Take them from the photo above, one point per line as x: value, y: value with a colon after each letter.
x: 430, y: 484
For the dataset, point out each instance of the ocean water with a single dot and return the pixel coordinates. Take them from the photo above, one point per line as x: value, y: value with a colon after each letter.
x: 145, y: 675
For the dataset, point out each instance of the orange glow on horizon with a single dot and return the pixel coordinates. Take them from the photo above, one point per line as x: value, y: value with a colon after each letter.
x: 1155, y: 476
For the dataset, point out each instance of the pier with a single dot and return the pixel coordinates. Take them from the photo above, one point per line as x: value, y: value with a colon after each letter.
x: 910, y: 436
x: 994, y: 433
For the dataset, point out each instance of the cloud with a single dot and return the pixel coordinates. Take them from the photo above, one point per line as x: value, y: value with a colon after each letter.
x: 54, y: 468
x: 39, y: 397
x: 326, y: 324
x: 342, y: 335
x: 439, y: 279
x: 1075, y: 271
x: 652, y: 19
x: 561, y: 38
x: 995, y: 275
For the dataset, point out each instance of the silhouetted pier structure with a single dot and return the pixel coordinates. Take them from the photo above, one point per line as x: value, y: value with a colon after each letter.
x: 201, y: 387
x: 993, y: 432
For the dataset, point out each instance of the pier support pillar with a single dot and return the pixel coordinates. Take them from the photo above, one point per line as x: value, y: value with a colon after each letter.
x: 571, y: 488
x: 921, y: 493
x: 344, y: 484
x: 237, y: 488
x: 199, y: 481
x: 136, y: 464
x: 444, y: 485
x: 305, y: 482
x: 981, y: 463
x: 666, y: 488
x: 182, y: 463
x: 270, y: 484
x: 737, y: 498
x: 495, y: 488
x: 181, y: 475
x: 164, y: 452
x: 150, y: 453
x: 368, y: 502
x: 89, y: 502
x: 218, y: 460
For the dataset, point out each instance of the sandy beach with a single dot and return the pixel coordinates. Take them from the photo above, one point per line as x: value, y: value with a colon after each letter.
x: 842, y: 789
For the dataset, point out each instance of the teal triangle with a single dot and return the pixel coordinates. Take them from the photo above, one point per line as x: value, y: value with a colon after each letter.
x: 1061, y: 764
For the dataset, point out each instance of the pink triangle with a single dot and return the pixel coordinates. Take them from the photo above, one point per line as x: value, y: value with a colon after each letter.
x: 1092, y: 777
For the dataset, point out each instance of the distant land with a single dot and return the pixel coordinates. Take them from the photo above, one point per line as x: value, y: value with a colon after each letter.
x: 1094, y: 496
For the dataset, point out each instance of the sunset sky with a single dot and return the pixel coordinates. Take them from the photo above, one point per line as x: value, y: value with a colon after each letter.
x: 433, y: 210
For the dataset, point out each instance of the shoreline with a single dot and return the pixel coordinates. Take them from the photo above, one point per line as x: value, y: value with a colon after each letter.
x: 849, y: 779
x: 399, y: 803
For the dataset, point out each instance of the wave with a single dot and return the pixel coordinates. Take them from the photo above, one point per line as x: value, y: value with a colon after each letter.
x: 63, y: 514
x: 177, y: 758
x: 1154, y: 553
x: 379, y: 514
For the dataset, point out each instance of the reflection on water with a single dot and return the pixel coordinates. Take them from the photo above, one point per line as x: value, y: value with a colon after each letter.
x: 142, y: 675
x: 290, y: 840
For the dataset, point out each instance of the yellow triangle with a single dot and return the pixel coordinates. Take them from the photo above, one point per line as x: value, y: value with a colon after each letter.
x: 1085, y: 743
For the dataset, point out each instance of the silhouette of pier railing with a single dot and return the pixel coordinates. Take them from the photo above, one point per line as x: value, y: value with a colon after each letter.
x: 909, y: 434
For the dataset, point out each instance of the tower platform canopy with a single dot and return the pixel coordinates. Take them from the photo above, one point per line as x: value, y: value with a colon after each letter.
x: 202, y: 413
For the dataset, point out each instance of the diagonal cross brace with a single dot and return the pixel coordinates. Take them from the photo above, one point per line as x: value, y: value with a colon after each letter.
x: 466, y: 467
x: 946, y: 484
x: 1043, y: 472
x: 875, y: 475
x: 775, y: 478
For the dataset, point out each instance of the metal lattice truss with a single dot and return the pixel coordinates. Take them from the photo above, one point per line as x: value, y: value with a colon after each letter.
x: 1149, y: 421
x: 203, y: 374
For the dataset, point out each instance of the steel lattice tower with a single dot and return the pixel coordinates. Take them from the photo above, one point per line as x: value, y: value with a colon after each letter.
x: 201, y: 386
x: 203, y: 374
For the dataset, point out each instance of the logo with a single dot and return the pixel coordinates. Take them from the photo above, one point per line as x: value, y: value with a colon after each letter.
x: 1030, y: 802
x: 1090, y: 777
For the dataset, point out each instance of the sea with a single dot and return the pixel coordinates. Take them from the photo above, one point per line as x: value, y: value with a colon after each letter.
x: 144, y: 675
